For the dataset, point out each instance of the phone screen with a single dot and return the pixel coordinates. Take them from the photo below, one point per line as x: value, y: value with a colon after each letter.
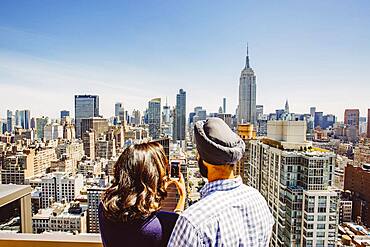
x: 175, y: 170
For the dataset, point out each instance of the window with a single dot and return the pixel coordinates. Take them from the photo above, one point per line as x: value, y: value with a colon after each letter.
x: 309, y: 234
x: 310, y: 209
x: 309, y: 217
x: 320, y: 226
x: 308, y: 243
x: 321, y: 210
x: 321, y: 218
x: 320, y: 234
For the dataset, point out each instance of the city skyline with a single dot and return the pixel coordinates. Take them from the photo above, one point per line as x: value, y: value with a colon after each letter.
x: 45, y: 61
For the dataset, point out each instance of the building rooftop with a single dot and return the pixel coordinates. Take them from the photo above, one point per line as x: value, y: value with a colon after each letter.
x: 61, y: 175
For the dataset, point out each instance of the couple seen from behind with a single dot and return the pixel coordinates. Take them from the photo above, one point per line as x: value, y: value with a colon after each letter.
x: 229, y: 213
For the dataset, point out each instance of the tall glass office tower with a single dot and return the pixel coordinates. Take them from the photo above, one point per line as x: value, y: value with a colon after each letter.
x: 25, y: 119
x: 86, y: 106
x: 180, y: 115
x: 154, y: 118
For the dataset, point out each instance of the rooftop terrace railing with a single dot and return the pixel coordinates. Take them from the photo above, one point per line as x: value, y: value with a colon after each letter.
x: 9, y: 239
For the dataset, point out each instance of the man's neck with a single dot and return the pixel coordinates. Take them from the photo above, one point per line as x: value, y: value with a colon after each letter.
x: 215, y: 177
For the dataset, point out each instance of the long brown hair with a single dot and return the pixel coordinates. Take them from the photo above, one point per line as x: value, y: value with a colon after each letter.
x: 138, y: 186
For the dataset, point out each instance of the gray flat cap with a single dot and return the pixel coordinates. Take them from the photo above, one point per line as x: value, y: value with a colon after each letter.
x: 216, y: 143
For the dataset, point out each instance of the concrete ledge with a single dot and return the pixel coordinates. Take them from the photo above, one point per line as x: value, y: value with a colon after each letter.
x: 49, y: 240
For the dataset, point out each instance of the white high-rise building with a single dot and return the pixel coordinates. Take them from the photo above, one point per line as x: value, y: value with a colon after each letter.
x: 247, y: 95
x: 58, y: 186
x: 296, y: 181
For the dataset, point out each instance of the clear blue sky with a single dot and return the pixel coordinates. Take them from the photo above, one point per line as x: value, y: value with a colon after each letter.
x: 314, y: 53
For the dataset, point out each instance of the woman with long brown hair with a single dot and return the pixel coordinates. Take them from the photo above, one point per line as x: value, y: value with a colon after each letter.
x: 129, y: 214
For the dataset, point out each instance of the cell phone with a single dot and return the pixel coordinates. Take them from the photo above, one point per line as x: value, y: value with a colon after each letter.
x: 175, y: 170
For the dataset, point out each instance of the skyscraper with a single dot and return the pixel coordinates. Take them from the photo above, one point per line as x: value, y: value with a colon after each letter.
x: 86, y: 106
x: 247, y: 95
x: 117, y: 108
x: 166, y: 113
x: 224, y: 105
x: 40, y: 125
x: 17, y: 118
x: 318, y: 119
x: 286, y: 107
x: 154, y: 118
x: 9, y: 121
x: 180, y: 115
x: 24, y: 118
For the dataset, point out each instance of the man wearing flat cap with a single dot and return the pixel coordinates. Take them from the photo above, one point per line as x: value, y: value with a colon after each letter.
x: 229, y: 212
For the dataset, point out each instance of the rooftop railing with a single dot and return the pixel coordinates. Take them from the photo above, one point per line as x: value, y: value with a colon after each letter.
x: 9, y: 239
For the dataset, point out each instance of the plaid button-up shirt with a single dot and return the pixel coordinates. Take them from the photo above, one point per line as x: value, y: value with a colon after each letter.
x: 228, y: 214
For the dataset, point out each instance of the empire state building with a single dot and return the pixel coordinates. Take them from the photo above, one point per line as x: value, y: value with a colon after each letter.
x: 247, y: 95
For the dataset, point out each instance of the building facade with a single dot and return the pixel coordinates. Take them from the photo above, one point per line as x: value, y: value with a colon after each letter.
x: 357, y: 180
x: 88, y: 139
x: 17, y: 168
x: 352, y: 118
x: 97, y: 124
x: 242, y: 168
x: 93, y: 199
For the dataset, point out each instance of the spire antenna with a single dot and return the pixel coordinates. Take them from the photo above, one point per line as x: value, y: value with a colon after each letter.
x: 247, y: 58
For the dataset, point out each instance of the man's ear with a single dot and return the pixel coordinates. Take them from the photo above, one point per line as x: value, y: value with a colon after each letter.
x: 206, y: 164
